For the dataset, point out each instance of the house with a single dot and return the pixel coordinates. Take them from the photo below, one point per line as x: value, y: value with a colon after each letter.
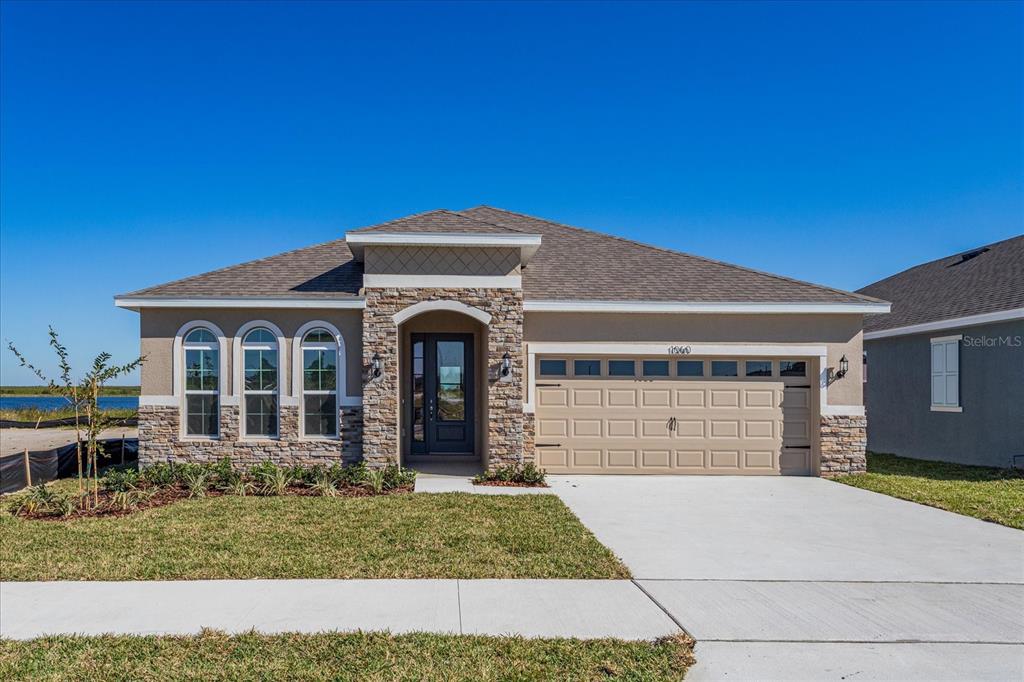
x: 946, y: 367
x: 490, y: 336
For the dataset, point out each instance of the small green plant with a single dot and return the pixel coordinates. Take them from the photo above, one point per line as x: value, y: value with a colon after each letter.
x: 271, y: 479
x: 224, y: 473
x: 120, y: 480
x: 325, y: 486
x: 353, y: 475
x: 40, y: 499
x: 126, y: 500
x: 375, y: 479
x: 528, y: 474
x: 397, y: 477
x: 240, y: 487
x: 160, y: 475
x: 195, y: 479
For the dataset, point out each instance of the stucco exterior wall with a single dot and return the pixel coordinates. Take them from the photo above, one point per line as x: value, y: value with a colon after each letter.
x: 840, y: 333
x: 159, y: 325
x: 989, y: 430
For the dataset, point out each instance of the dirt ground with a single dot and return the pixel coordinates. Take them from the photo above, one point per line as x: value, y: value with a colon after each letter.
x: 17, y: 440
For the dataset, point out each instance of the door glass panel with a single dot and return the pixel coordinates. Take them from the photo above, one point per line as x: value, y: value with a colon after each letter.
x: 451, y: 388
x: 417, y: 392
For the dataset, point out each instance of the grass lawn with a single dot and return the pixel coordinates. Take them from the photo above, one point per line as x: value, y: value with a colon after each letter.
x: 452, y: 535
x: 335, y: 656
x: 985, y: 493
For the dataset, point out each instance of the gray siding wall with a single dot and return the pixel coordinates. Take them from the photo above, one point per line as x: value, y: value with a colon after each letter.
x: 989, y: 431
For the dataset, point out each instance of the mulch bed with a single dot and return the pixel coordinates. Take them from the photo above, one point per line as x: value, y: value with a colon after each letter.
x: 170, y: 495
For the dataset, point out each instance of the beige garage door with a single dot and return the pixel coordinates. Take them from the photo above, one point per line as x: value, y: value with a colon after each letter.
x: 670, y: 416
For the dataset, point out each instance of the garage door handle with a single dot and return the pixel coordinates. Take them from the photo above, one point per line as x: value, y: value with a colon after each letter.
x: 547, y: 445
x: 548, y: 385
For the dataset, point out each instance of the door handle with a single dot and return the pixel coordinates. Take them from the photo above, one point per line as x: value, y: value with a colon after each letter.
x: 671, y: 424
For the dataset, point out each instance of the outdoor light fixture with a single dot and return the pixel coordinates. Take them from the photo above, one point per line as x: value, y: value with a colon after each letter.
x: 506, y: 364
x: 844, y: 367
x: 375, y: 365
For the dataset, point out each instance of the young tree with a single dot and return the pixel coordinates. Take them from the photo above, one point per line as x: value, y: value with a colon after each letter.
x: 83, y: 395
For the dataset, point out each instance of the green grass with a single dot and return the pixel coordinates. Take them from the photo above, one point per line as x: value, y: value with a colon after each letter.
x: 452, y: 535
x: 46, y: 390
x: 337, y: 656
x: 985, y: 493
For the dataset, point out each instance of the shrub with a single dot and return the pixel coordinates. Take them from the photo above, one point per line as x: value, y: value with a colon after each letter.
x: 239, y: 486
x: 224, y: 473
x: 160, y: 475
x: 121, y: 480
x: 396, y: 477
x: 325, y: 486
x: 375, y: 480
x: 195, y: 478
x: 271, y: 479
x: 529, y: 474
x: 43, y: 500
x: 352, y: 475
x: 130, y: 499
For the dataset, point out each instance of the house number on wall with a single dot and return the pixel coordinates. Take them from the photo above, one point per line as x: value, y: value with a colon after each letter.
x: 679, y: 350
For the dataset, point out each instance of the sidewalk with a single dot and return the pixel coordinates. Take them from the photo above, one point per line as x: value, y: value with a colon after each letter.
x: 531, y: 608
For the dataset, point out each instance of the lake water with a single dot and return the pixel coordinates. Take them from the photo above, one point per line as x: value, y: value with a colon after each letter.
x: 49, y: 402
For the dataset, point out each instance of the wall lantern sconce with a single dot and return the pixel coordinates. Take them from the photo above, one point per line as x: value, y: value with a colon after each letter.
x: 376, y: 365
x: 506, y: 364
x: 844, y: 367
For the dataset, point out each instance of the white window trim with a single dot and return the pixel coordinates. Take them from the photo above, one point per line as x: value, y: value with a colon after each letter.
x: 239, y: 374
x: 944, y: 341
x: 340, y: 380
x: 178, y: 380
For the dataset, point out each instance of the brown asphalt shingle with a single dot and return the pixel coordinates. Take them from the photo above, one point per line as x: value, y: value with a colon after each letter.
x: 572, y: 264
x: 991, y: 281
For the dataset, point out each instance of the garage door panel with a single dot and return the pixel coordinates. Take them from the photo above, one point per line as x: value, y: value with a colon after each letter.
x: 676, y: 425
x: 621, y: 459
x: 621, y: 397
x: 654, y: 428
x: 690, y: 397
x: 725, y: 397
x: 587, y: 397
x: 621, y: 428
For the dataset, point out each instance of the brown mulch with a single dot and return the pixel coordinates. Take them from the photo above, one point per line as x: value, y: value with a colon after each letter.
x: 512, y: 484
x: 170, y: 495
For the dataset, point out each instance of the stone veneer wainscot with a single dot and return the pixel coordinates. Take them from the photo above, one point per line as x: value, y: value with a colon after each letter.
x: 844, y: 442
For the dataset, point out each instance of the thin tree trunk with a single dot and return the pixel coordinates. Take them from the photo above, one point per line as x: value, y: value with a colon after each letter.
x: 78, y: 448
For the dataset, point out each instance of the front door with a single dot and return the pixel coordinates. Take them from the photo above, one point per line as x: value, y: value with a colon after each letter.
x: 442, y: 394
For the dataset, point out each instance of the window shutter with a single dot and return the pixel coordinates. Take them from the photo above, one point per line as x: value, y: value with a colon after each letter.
x: 946, y: 373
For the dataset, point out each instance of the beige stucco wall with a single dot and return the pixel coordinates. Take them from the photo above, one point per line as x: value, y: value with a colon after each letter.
x: 158, y: 327
x: 840, y: 333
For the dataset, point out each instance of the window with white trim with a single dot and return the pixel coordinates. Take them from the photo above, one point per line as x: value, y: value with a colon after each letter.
x: 260, y: 382
x: 319, y: 384
x: 946, y: 373
x: 202, y: 383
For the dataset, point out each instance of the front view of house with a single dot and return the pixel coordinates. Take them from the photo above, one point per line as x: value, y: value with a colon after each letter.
x: 494, y: 337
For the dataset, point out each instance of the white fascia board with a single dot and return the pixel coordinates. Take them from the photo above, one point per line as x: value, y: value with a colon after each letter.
x: 952, y: 323
x: 527, y: 243
x: 137, y: 302
x: 693, y: 349
x: 701, y: 307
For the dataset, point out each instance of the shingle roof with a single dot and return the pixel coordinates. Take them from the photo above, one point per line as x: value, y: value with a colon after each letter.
x: 578, y: 264
x: 572, y: 264
x: 990, y: 280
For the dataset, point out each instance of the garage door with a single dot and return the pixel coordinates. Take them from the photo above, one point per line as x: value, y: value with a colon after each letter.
x: 671, y: 416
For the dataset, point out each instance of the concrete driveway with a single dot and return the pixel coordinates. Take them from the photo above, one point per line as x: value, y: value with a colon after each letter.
x: 802, y: 578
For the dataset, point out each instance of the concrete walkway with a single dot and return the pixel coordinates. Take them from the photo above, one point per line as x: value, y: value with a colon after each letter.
x: 802, y: 578
x: 532, y: 608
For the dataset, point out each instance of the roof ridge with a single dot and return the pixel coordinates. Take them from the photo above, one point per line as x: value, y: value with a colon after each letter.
x: 684, y: 253
x: 448, y: 211
x: 138, y: 292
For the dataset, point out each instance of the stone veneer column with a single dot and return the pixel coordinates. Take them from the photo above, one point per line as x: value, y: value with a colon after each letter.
x: 843, y: 445
x: 504, y: 399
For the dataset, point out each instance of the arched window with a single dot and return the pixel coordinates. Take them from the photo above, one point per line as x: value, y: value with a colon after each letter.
x: 319, y: 384
x: 260, y: 381
x: 202, y: 383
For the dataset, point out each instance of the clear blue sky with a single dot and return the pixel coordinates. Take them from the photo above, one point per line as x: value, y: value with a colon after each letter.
x: 837, y: 143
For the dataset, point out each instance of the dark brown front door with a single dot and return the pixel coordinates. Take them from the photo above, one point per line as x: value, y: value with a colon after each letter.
x: 442, y: 394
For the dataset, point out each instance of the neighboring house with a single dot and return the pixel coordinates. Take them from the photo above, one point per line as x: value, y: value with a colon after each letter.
x: 494, y: 337
x: 945, y: 373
